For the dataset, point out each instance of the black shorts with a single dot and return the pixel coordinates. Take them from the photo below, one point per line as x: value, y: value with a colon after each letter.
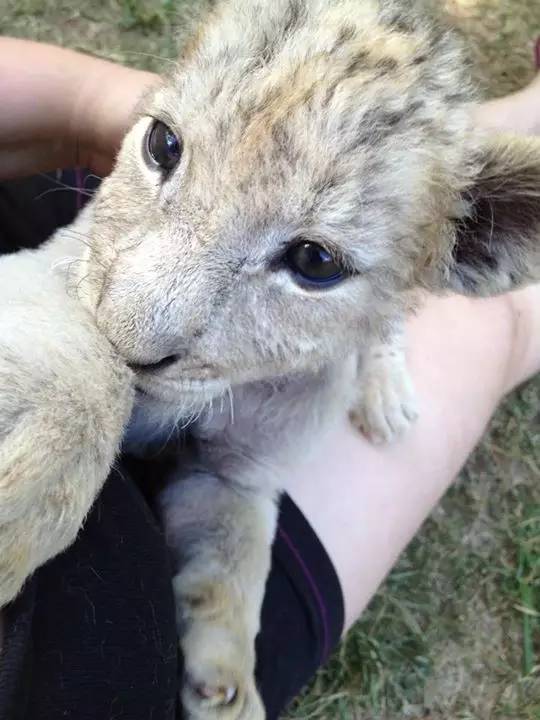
x: 92, y: 636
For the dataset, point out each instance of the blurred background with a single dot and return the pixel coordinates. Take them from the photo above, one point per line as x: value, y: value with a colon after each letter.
x: 455, y: 631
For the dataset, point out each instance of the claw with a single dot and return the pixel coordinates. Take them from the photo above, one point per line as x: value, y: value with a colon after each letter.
x: 215, y: 696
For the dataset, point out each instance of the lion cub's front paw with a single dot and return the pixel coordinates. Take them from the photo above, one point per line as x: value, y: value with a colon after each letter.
x: 218, y: 651
x: 386, y: 405
x: 64, y: 401
x: 53, y: 462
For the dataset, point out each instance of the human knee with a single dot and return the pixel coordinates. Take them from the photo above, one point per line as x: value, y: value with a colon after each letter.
x: 523, y: 309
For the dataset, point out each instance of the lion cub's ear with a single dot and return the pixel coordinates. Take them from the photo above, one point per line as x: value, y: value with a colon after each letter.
x: 497, y: 237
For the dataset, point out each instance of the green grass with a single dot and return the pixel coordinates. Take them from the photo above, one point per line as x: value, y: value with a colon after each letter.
x: 527, y: 586
x: 454, y: 634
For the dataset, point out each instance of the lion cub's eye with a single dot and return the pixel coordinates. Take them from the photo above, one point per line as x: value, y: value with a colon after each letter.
x: 312, y: 265
x: 163, y: 146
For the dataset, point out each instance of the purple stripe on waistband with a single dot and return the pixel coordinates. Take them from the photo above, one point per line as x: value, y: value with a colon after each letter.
x: 315, y: 589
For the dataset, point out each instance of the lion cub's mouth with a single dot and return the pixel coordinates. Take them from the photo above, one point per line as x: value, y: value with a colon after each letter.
x: 181, y: 388
x: 171, y: 380
x: 154, y: 367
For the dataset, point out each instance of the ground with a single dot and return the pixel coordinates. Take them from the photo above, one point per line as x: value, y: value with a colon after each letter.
x: 455, y: 632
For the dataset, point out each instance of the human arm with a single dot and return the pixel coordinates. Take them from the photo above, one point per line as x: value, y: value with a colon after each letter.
x: 61, y: 108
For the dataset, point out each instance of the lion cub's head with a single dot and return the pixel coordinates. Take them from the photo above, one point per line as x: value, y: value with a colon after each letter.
x: 307, y: 165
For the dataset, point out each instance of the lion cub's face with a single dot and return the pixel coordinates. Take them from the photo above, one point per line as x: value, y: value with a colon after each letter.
x: 281, y: 193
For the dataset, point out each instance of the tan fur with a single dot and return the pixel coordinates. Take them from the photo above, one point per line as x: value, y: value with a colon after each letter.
x: 347, y: 123
x: 65, y: 398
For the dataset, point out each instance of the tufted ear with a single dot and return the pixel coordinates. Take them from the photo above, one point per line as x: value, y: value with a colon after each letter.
x: 497, y: 237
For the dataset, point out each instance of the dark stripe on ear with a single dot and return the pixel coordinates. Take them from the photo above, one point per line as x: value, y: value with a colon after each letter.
x: 497, y: 238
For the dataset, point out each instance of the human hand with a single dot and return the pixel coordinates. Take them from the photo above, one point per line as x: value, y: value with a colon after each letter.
x: 62, y: 109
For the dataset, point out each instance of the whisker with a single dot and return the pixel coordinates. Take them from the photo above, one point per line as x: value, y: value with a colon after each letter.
x: 64, y: 262
x: 172, y: 431
x: 81, y: 237
x: 67, y: 188
x: 93, y: 176
x: 95, y: 259
x: 83, y: 279
x: 61, y: 184
x: 75, y: 233
x: 137, y: 53
x: 230, y: 395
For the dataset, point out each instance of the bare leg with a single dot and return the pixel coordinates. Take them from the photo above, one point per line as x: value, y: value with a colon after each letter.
x: 464, y: 356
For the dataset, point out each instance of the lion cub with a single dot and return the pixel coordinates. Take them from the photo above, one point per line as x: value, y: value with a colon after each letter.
x: 307, y: 167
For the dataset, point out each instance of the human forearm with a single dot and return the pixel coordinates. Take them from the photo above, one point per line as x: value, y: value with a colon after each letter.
x: 62, y: 108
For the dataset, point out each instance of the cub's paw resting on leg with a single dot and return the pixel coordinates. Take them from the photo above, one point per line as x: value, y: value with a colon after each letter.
x: 218, y: 649
x: 386, y: 404
x: 220, y: 537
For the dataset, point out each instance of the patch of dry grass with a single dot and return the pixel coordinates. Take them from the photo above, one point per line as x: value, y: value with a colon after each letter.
x: 455, y: 631
x: 500, y: 35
